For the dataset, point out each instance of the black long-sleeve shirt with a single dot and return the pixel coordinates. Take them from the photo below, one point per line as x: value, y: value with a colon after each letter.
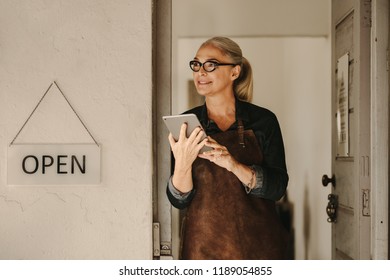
x: 271, y: 175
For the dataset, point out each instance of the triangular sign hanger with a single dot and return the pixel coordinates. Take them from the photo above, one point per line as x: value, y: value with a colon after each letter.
x: 39, y: 103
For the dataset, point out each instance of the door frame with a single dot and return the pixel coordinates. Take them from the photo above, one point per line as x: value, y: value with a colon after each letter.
x: 162, y: 76
x: 380, y: 128
x: 380, y: 167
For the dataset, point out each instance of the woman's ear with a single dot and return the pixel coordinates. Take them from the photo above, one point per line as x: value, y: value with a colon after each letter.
x: 236, y: 72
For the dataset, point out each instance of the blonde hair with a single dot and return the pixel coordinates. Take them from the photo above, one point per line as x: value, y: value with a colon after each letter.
x: 243, y: 85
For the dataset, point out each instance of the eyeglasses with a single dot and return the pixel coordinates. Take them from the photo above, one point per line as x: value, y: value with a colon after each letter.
x: 208, y: 66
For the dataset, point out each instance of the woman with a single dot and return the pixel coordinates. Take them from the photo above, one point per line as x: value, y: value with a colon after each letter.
x: 229, y: 191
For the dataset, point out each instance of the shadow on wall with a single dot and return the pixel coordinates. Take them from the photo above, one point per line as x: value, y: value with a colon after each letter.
x: 285, y: 210
x: 306, y: 219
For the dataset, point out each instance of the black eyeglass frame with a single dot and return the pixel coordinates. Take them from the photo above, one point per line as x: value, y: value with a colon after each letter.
x: 216, y: 65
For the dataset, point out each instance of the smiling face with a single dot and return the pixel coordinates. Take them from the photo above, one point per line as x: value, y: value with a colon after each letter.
x: 218, y: 82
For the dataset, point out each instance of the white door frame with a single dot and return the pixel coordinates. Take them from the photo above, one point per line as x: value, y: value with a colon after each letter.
x: 162, y: 64
x: 380, y: 129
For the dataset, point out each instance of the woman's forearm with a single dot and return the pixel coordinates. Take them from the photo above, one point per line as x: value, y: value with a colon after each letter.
x: 182, y: 179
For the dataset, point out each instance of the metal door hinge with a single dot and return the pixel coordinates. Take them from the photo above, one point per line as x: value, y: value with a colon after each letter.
x: 156, y: 240
x: 161, y: 249
x: 366, y: 202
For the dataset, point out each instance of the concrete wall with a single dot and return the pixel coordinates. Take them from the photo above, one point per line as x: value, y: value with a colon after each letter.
x: 100, y: 54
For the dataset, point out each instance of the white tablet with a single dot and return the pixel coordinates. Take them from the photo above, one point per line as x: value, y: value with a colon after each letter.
x: 175, y: 122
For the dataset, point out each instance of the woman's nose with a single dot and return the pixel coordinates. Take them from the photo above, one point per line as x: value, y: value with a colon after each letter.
x: 202, y: 72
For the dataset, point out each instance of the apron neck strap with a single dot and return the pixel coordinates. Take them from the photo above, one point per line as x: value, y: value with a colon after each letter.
x: 241, y: 133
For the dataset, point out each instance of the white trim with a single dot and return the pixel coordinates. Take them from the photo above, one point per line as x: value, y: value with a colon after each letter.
x: 162, y: 209
x: 380, y: 129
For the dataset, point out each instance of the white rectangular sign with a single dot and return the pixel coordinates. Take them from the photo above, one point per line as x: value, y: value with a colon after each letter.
x: 54, y: 164
x: 343, y: 106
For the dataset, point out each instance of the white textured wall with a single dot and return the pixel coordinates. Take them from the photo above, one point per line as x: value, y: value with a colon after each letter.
x: 248, y: 18
x: 99, y: 52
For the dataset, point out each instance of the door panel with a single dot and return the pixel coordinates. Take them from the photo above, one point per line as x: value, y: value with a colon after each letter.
x: 343, y: 230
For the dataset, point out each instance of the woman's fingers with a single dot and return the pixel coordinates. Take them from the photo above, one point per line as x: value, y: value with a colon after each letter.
x: 171, y: 140
x: 192, y: 143
x: 196, y: 133
x: 183, y: 131
x: 211, y: 140
x: 217, y: 148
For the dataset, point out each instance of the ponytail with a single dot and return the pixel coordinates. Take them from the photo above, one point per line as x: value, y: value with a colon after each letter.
x: 243, y: 85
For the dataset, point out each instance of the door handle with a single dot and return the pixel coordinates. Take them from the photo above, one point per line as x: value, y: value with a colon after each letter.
x: 326, y: 180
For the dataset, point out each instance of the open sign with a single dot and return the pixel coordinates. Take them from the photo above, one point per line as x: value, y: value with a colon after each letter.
x: 54, y: 164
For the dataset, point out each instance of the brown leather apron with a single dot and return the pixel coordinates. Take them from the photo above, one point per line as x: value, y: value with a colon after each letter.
x: 223, y: 221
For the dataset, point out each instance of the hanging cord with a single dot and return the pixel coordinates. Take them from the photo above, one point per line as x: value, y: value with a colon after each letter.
x: 32, y: 113
x: 90, y: 134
